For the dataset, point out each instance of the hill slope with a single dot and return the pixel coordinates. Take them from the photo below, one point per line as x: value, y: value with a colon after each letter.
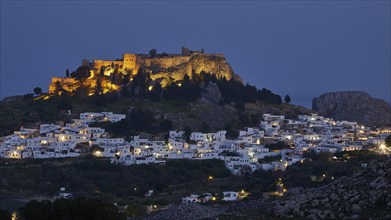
x: 365, y: 195
x: 204, y: 113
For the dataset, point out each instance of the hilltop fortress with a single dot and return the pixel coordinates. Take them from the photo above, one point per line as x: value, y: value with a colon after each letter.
x: 163, y: 68
x: 135, y: 61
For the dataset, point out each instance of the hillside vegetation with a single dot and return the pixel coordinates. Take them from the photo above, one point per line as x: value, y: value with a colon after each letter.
x: 203, y: 104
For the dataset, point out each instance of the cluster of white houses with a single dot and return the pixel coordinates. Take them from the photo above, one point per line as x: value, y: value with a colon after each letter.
x: 55, y: 141
x: 254, y: 148
x: 226, y: 196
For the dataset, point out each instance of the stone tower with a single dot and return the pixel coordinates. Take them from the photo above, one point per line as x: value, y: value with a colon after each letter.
x: 130, y: 61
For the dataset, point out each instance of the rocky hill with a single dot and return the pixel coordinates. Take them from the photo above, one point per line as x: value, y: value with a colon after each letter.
x: 210, y: 63
x: 353, y: 106
x: 364, y: 195
x: 200, y: 112
x: 163, y: 68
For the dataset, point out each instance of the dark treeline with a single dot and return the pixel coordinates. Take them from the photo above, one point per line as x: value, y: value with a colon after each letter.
x: 235, y: 91
x: 70, y: 209
x: 138, y: 120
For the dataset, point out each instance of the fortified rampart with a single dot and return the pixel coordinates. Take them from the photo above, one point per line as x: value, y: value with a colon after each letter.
x: 166, y: 62
x: 129, y: 62
x: 97, y: 64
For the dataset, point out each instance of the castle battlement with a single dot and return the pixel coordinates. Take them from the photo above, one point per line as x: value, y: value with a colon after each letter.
x: 132, y: 62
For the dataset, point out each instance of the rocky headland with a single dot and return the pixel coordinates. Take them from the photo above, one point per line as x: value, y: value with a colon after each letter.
x: 353, y: 106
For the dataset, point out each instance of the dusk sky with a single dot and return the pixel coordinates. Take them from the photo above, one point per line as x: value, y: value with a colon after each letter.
x: 300, y: 48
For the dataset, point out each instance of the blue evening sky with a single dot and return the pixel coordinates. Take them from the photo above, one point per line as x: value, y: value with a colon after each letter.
x: 300, y: 48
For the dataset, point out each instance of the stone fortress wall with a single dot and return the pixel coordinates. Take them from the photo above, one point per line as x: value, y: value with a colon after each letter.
x: 167, y: 62
x: 135, y: 61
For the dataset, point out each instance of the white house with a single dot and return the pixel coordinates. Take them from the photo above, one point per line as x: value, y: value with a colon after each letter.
x: 176, y: 134
x: 193, y: 198
x: 230, y: 196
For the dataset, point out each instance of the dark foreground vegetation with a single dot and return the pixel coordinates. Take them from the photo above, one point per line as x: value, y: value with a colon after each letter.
x: 66, y: 209
x: 63, y: 209
x: 95, y: 178
x: 5, y: 215
x: 98, y: 178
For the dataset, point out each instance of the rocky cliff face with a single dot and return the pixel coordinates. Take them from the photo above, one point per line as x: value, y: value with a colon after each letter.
x: 209, y: 63
x: 353, y: 106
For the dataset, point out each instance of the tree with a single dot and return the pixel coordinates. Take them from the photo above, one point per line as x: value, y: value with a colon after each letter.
x: 140, y: 82
x: 102, y: 71
x: 152, y: 53
x: 126, y: 79
x: 5, y: 214
x: 268, y: 159
x: 165, y: 125
x: 67, y: 73
x: 274, y: 99
x: 82, y: 90
x: 124, y: 91
x: 155, y: 93
x: 287, y: 99
x: 37, y: 91
x: 81, y: 208
x: 98, y: 88
x: 324, y: 156
x: 276, y: 146
x: 230, y: 131
x: 205, y: 128
x: 245, y: 170
x: 143, y: 120
x: 134, y: 210
x: 187, y: 133
x: 82, y: 72
x: 58, y: 88
x: 388, y: 141
x: 187, y: 90
x: 115, y: 77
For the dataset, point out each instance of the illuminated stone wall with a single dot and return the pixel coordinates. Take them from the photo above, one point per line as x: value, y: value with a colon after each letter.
x: 99, y: 63
x: 167, y: 62
x: 209, y: 63
x: 68, y: 84
x: 129, y: 62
